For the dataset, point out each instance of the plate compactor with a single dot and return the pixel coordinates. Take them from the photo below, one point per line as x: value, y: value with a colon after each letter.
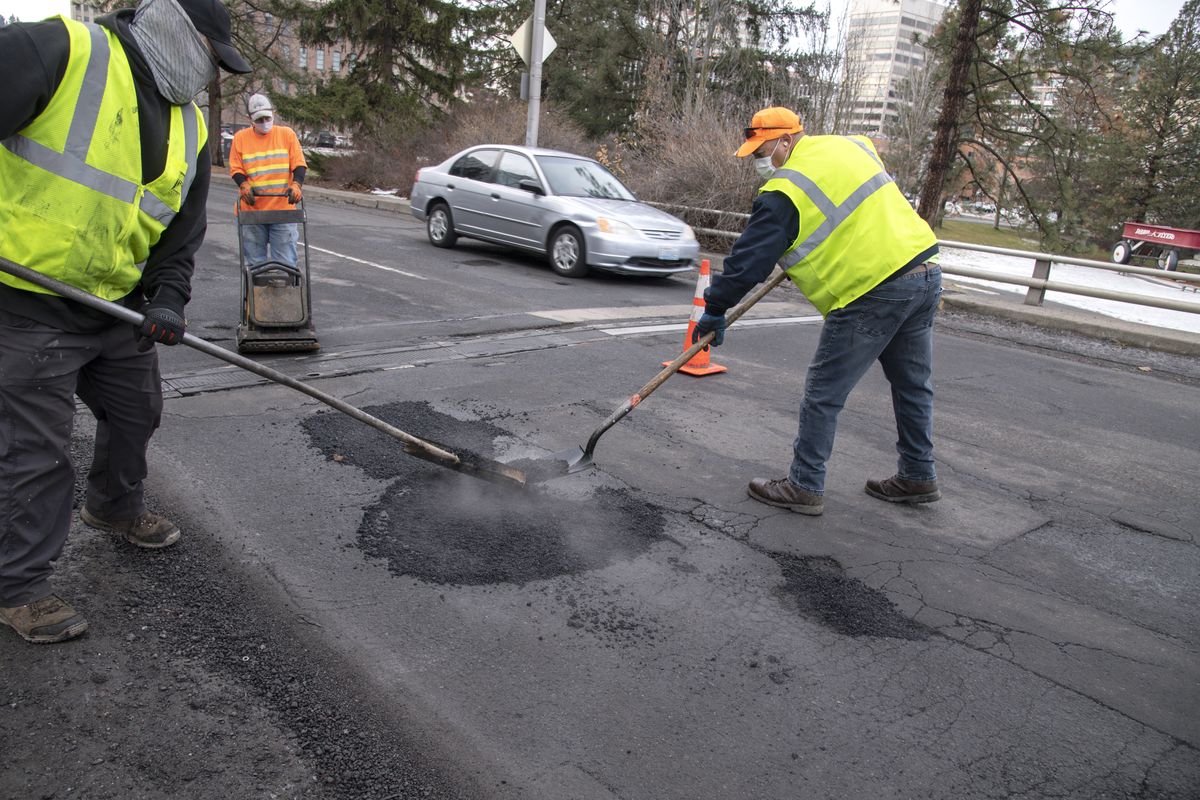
x: 276, y: 305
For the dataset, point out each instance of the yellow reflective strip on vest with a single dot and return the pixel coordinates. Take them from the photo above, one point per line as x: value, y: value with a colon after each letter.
x: 835, y: 215
x: 261, y: 155
x: 855, y: 226
x: 78, y: 210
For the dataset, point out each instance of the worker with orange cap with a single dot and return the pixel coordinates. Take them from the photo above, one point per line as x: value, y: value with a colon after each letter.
x: 830, y: 214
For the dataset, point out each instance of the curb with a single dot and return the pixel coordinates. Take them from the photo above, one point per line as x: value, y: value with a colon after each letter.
x: 956, y: 296
x: 1064, y: 318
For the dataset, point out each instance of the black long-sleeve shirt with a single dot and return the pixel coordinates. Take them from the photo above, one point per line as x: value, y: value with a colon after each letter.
x: 33, y: 58
x: 774, y: 224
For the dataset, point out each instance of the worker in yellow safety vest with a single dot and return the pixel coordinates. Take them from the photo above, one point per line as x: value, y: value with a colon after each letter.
x: 103, y: 183
x: 830, y: 214
x: 266, y: 157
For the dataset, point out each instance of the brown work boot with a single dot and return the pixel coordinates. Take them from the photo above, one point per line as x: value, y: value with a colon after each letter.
x: 44, y: 621
x: 901, y: 490
x: 785, y: 494
x: 148, y: 530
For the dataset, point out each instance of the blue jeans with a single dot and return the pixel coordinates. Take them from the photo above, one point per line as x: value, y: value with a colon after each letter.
x: 894, y: 324
x: 279, y: 237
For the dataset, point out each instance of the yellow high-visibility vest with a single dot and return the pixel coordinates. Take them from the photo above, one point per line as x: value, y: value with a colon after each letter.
x: 856, y: 228
x: 72, y: 202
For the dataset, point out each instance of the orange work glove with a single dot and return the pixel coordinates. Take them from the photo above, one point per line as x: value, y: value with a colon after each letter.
x: 247, y: 193
x: 294, y: 193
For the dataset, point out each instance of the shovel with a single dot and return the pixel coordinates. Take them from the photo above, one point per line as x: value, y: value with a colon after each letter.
x: 472, y: 465
x: 580, y: 458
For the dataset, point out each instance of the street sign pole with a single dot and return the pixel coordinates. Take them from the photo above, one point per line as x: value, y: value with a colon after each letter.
x: 537, y: 34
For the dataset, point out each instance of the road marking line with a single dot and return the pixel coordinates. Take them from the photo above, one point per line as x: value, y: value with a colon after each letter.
x: 633, y: 312
x: 368, y: 263
x: 746, y: 323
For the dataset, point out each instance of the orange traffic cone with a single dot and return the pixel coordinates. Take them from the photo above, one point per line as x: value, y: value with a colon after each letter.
x: 699, y: 365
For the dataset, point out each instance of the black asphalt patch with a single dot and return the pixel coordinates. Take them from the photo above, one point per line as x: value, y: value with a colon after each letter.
x: 438, y: 526
x: 820, y: 591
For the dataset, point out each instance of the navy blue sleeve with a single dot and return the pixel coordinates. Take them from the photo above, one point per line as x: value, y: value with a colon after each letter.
x: 774, y: 224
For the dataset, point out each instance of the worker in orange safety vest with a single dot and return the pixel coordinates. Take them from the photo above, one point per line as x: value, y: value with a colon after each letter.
x: 267, y: 158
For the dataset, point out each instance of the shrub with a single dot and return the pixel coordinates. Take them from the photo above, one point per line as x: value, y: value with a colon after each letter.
x: 392, y: 165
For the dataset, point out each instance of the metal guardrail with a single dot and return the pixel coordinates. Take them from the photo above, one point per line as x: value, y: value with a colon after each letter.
x: 1039, y: 282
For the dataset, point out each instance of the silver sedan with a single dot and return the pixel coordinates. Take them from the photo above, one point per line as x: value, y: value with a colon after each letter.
x: 568, y: 207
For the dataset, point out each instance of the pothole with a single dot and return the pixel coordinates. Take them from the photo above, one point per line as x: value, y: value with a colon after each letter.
x: 443, y: 527
x: 818, y: 588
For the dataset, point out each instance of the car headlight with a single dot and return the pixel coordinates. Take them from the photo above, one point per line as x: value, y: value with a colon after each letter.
x: 607, y: 225
x: 688, y: 233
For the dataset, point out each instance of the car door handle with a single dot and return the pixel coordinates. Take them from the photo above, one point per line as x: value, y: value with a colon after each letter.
x: 495, y: 196
x: 449, y: 185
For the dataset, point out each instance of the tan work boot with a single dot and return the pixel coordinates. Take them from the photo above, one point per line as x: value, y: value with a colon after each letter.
x: 785, y: 494
x: 901, y: 490
x: 44, y: 621
x: 149, y: 530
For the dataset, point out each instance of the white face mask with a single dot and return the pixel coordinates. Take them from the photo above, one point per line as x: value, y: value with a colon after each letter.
x: 264, y: 125
x: 765, y: 166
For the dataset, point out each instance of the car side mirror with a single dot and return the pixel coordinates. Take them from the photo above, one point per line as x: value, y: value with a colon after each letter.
x: 531, y: 186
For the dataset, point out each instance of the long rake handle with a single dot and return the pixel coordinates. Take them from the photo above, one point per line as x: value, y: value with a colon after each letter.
x: 129, y: 315
x: 658, y: 380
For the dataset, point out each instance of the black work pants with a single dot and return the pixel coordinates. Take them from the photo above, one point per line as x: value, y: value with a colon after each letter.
x: 41, y: 370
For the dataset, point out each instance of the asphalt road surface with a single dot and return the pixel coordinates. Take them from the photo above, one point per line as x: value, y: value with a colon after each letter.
x: 343, y: 621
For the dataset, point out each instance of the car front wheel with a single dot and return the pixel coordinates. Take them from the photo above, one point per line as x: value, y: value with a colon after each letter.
x: 567, y: 253
x: 439, y: 225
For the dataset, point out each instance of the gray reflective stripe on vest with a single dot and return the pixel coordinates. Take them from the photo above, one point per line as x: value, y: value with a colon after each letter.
x: 87, y: 107
x: 835, y: 213
x: 191, y: 148
x: 71, y: 165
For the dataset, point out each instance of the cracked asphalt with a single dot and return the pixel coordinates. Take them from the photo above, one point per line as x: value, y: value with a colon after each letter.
x: 343, y: 621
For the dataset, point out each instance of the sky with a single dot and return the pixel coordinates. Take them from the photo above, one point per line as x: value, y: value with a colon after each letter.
x: 1154, y: 16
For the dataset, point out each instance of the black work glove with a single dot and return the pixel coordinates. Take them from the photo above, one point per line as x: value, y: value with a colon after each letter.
x: 162, y: 324
x: 710, y: 322
x: 247, y: 193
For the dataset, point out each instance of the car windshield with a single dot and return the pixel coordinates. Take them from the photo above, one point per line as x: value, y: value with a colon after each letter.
x: 577, y: 177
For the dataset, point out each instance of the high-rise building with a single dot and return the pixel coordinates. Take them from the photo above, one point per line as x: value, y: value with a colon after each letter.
x: 86, y: 10
x: 884, y: 45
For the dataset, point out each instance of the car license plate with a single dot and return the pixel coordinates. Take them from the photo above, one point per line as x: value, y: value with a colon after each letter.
x: 668, y: 253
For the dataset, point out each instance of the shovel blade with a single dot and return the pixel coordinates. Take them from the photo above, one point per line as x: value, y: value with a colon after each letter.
x: 577, y: 459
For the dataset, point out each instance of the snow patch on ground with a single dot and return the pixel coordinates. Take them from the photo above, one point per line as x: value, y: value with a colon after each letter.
x: 1084, y: 276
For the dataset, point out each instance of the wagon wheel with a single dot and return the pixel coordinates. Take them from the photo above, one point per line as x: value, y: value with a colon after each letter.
x: 1121, y: 252
x: 1168, y: 260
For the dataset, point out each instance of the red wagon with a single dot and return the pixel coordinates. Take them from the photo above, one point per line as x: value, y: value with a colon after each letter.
x: 1155, y: 242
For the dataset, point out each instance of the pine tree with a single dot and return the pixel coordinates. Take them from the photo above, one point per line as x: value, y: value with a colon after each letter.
x: 410, y: 58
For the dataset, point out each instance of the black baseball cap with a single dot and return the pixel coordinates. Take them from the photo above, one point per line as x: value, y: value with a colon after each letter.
x: 212, y: 21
